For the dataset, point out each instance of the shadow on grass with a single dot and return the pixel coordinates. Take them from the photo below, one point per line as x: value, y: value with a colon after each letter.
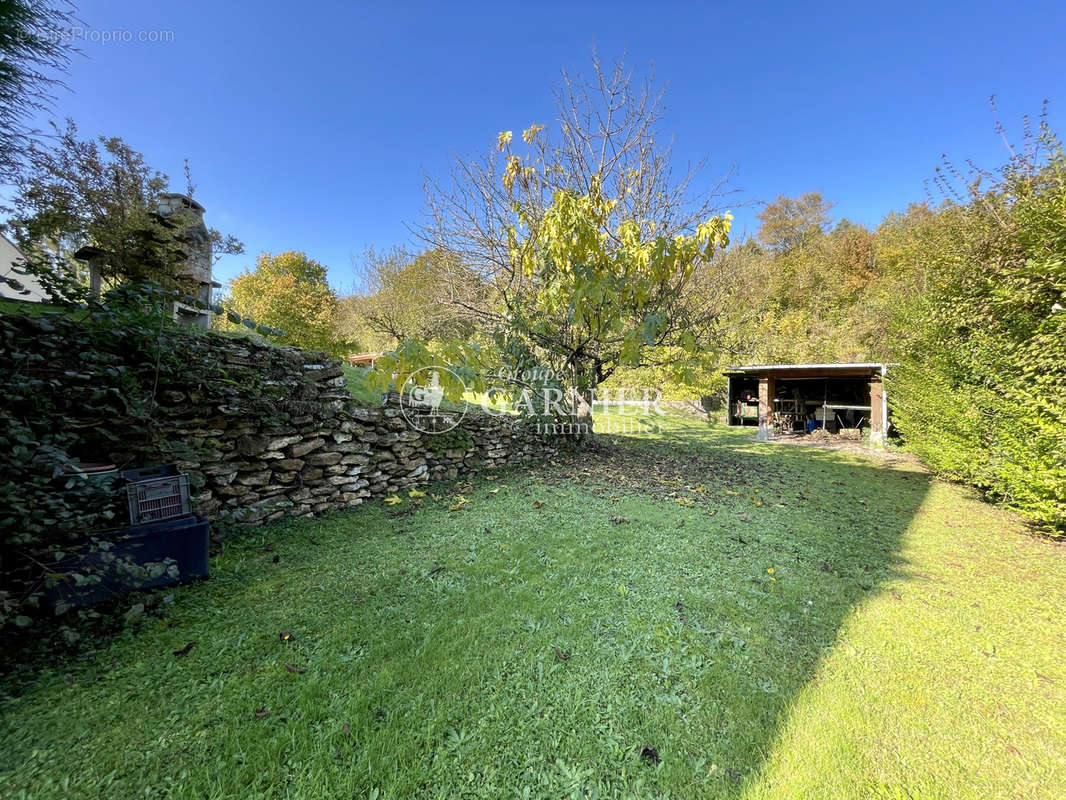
x: 810, y: 535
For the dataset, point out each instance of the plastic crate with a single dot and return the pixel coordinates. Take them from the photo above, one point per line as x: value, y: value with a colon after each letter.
x: 156, y: 494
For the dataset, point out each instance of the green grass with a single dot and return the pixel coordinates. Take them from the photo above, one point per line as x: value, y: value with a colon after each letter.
x: 908, y: 644
x: 356, y: 377
x: 28, y: 308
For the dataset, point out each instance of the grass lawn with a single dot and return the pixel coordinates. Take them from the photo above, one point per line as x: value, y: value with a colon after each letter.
x: 30, y: 309
x: 356, y: 377
x: 689, y: 614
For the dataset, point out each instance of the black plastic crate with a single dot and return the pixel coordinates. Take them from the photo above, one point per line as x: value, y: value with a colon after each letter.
x: 156, y: 494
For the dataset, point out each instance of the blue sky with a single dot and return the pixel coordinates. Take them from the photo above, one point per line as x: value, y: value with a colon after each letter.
x: 309, y: 126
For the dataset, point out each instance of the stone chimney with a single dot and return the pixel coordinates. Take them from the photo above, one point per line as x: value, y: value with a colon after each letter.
x: 196, y: 271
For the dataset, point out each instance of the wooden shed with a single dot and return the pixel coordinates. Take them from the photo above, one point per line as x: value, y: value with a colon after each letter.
x: 798, y: 398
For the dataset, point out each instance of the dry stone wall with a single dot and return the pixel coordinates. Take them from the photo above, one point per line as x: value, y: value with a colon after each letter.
x: 326, y: 451
x: 263, y: 472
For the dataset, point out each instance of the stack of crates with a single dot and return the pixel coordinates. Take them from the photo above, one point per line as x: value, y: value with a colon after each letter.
x: 163, y: 529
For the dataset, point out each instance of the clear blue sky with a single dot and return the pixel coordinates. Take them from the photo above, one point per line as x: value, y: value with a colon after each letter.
x: 309, y: 125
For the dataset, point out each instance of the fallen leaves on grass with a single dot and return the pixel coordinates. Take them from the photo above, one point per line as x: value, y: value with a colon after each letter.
x: 649, y: 755
x: 393, y: 500
x: 185, y: 650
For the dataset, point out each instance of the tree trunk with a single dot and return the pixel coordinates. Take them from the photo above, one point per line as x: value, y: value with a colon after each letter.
x: 581, y: 391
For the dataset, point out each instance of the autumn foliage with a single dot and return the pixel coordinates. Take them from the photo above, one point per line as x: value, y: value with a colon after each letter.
x: 288, y: 291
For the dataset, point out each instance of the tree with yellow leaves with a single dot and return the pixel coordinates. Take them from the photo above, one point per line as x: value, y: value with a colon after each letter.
x: 288, y: 291
x: 591, y: 250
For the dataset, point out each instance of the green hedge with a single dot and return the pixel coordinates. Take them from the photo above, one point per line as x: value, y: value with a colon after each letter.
x: 981, y: 394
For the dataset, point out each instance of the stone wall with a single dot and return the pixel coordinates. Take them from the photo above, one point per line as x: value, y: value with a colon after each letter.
x: 262, y: 431
x: 319, y: 449
x: 261, y: 472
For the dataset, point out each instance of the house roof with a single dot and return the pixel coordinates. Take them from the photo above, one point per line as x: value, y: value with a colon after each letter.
x: 836, y: 365
x: 31, y: 290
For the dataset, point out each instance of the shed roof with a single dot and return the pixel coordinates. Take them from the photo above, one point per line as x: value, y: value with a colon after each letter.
x: 842, y: 369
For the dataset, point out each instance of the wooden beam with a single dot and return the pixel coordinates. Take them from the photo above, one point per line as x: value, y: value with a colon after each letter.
x: 730, y: 401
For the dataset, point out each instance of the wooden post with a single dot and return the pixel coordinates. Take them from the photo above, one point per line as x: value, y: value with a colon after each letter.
x: 766, y: 408
x: 730, y: 401
x: 877, y: 413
